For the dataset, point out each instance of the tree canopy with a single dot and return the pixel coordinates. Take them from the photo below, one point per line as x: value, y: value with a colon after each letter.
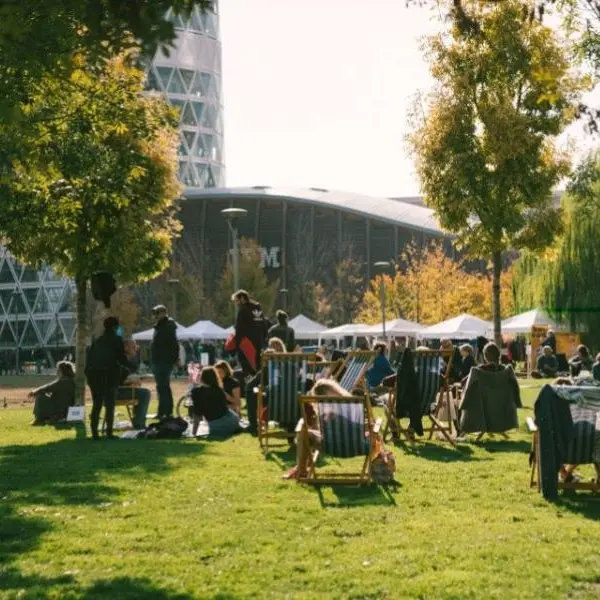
x: 563, y: 278
x: 483, y: 142
x: 93, y: 179
x: 39, y: 37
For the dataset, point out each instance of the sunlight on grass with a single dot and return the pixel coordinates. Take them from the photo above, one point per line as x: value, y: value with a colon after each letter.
x: 205, y: 519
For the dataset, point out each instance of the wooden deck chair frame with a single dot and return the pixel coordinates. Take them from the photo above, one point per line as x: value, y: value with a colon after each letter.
x: 128, y: 403
x: 444, y: 395
x: 304, y: 361
x: 354, y: 370
x: 535, y: 479
x: 372, y: 426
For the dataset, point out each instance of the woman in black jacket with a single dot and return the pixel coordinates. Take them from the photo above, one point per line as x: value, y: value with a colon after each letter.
x: 105, y: 362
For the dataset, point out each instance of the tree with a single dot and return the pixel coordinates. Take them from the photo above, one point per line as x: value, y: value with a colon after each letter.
x: 39, y: 37
x: 563, y: 278
x: 96, y: 181
x: 491, y: 187
x: 428, y: 287
x: 252, y: 279
x: 188, y: 293
x: 347, y: 288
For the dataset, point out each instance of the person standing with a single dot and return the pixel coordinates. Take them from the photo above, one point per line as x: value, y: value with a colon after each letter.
x: 250, y: 332
x: 283, y: 331
x: 105, y: 361
x: 164, y: 355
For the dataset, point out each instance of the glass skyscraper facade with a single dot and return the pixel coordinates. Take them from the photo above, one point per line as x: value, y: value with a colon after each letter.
x: 36, y: 307
x: 190, y: 76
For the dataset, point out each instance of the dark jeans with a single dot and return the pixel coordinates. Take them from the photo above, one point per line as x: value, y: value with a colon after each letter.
x: 162, y: 376
x: 104, y: 393
x: 252, y: 402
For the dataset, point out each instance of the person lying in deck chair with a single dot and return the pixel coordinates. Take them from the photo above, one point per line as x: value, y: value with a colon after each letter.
x: 324, y: 387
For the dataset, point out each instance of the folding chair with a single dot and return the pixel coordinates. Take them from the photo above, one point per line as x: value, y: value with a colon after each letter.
x: 283, y: 379
x: 580, y: 450
x: 346, y: 428
x: 433, y: 393
x: 355, y: 367
x: 129, y: 402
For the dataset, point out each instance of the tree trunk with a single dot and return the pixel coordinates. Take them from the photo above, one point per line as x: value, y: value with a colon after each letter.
x: 496, y: 309
x: 82, y: 335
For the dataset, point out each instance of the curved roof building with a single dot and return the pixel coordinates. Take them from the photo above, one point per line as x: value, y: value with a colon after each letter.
x: 303, y: 233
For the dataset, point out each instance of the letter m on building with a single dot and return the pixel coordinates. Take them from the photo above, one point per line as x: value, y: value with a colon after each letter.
x: 269, y: 258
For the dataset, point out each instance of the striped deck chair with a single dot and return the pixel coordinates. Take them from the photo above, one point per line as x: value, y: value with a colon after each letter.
x: 284, y: 378
x: 355, y: 366
x: 584, y: 447
x: 433, y: 394
x: 346, y: 428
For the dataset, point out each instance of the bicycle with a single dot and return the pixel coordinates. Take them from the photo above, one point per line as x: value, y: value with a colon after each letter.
x: 185, y: 402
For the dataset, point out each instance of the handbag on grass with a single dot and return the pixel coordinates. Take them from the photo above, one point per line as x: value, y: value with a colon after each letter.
x: 76, y: 414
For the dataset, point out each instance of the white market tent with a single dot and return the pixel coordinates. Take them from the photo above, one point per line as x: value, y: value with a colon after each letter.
x: 203, y: 330
x: 462, y: 327
x: 525, y: 321
x: 305, y: 328
x: 146, y: 336
x: 348, y: 330
x: 230, y: 330
x: 400, y: 327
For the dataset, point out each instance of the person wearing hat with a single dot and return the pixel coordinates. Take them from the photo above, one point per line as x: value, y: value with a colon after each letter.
x: 164, y: 354
x: 105, y: 361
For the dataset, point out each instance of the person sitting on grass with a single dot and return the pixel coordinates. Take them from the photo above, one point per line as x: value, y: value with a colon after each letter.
x: 231, y: 386
x: 52, y: 401
x: 547, y: 365
x: 210, y: 403
x: 582, y: 361
x: 381, y: 367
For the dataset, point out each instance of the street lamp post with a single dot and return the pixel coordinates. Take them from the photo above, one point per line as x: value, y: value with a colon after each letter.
x: 173, y: 283
x: 233, y: 215
x: 284, y: 296
x: 382, y: 266
x: 15, y: 295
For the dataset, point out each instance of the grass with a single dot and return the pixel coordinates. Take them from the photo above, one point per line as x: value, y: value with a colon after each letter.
x: 213, y: 520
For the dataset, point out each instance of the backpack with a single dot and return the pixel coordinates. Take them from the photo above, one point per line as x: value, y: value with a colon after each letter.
x: 171, y: 428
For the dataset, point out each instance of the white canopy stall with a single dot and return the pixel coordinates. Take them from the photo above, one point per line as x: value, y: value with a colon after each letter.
x: 352, y: 330
x: 524, y: 322
x: 464, y: 326
x: 305, y: 328
x: 397, y: 327
x: 203, y: 330
x: 146, y: 335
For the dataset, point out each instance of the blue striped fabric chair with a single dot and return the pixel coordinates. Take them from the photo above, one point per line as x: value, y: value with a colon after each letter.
x: 355, y: 367
x: 584, y: 406
x: 347, y: 429
x: 430, y: 383
x: 284, y: 378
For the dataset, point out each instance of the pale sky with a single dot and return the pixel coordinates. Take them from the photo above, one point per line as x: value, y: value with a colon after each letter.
x: 316, y: 92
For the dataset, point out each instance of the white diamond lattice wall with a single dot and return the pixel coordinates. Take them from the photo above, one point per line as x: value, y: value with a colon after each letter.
x: 36, y: 307
x: 190, y: 77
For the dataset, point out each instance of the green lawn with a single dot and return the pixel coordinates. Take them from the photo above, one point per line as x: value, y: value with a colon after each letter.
x: 197, y: 519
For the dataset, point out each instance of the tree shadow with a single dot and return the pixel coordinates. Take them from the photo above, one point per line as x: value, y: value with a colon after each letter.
x: 66, y: 473
x: 349, y: 496
x: 129, y: 588
x: 439, y: 453
x: 493, y: 446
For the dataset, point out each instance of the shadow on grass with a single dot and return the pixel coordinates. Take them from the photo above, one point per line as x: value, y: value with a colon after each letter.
x: 128, y: 588
x: 283, y: 456
x: 441, y: 453
x: 66, y: 473
x: 584, y: 503
x: 493, y: 446
x: 347, y: 496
